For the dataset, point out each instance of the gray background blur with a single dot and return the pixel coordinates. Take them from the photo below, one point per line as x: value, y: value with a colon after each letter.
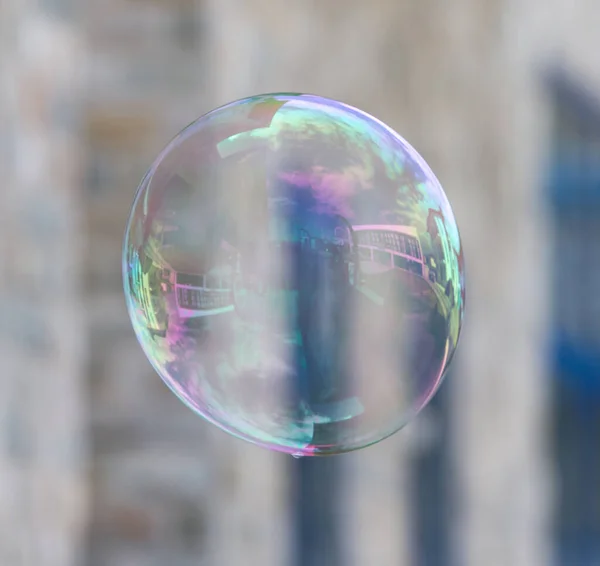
x: 101, y: 466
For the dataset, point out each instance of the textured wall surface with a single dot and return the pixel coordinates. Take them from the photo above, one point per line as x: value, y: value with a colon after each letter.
x: 151, y: 466
x: 42, y: 333
x: 90, y: 92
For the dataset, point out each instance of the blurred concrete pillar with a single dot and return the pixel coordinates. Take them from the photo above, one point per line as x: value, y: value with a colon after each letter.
x: 42, y: 337
x: 335, y: 49
x: 155, y: 480
x: 249, y: 505
x: 478, y: 118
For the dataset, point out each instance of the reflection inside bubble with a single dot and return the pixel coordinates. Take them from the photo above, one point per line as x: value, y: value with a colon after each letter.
x: 294, y: 273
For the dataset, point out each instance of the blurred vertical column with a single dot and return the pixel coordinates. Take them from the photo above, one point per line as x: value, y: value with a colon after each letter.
x: 155, y: 477
x: 42, y: 334
x: 488, y: 156
x: 357, y: 514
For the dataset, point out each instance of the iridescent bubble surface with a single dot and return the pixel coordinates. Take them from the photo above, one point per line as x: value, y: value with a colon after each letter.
x: 294, y: 273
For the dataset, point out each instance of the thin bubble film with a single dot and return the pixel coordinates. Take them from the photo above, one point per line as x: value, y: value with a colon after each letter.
x: 294, y: 273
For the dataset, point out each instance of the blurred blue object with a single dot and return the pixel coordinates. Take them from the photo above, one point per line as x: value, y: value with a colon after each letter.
x: 573, y: 193
x: 574, y: 185
x: 577, y: 364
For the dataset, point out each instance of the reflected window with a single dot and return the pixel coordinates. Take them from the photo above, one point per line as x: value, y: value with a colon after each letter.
x: 377, y: 239
x: 191, y: 280
x: 415, y: 267
x: 400, y: 243
x: 400, y: 262
x: 413, y: 248
x: 385, y: 258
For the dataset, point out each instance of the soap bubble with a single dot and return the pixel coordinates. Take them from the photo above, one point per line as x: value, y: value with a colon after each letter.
x: 294, y: 273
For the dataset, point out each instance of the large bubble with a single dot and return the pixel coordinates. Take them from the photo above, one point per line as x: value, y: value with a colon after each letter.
x: 294, y: 273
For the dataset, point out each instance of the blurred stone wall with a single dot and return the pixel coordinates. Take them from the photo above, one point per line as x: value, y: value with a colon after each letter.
x: 150, y: 467
x: 43, y: 451
x: 462, y: 84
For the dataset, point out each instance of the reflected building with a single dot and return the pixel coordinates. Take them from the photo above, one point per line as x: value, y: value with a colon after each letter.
x: 385, y: 247
x: 150, y: 284
x: 391, y: 259
x: 448, y: 262
x: 200, y: 288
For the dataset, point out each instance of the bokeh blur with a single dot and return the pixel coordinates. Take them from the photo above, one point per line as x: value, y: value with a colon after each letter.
x: 100, y: 465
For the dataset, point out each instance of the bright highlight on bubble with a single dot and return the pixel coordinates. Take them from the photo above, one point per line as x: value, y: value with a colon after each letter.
x: 294, y: 273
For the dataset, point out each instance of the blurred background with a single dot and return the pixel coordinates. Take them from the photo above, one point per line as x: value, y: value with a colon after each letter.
x: 101, y: 466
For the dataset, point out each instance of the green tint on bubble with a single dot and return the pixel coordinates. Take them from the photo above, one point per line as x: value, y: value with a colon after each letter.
x: 294, y: 273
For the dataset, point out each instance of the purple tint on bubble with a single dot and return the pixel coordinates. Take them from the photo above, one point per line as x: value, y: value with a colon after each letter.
x: 294, y: 273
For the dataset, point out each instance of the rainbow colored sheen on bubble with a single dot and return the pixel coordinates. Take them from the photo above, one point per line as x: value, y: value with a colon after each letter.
x: 294, y: 273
